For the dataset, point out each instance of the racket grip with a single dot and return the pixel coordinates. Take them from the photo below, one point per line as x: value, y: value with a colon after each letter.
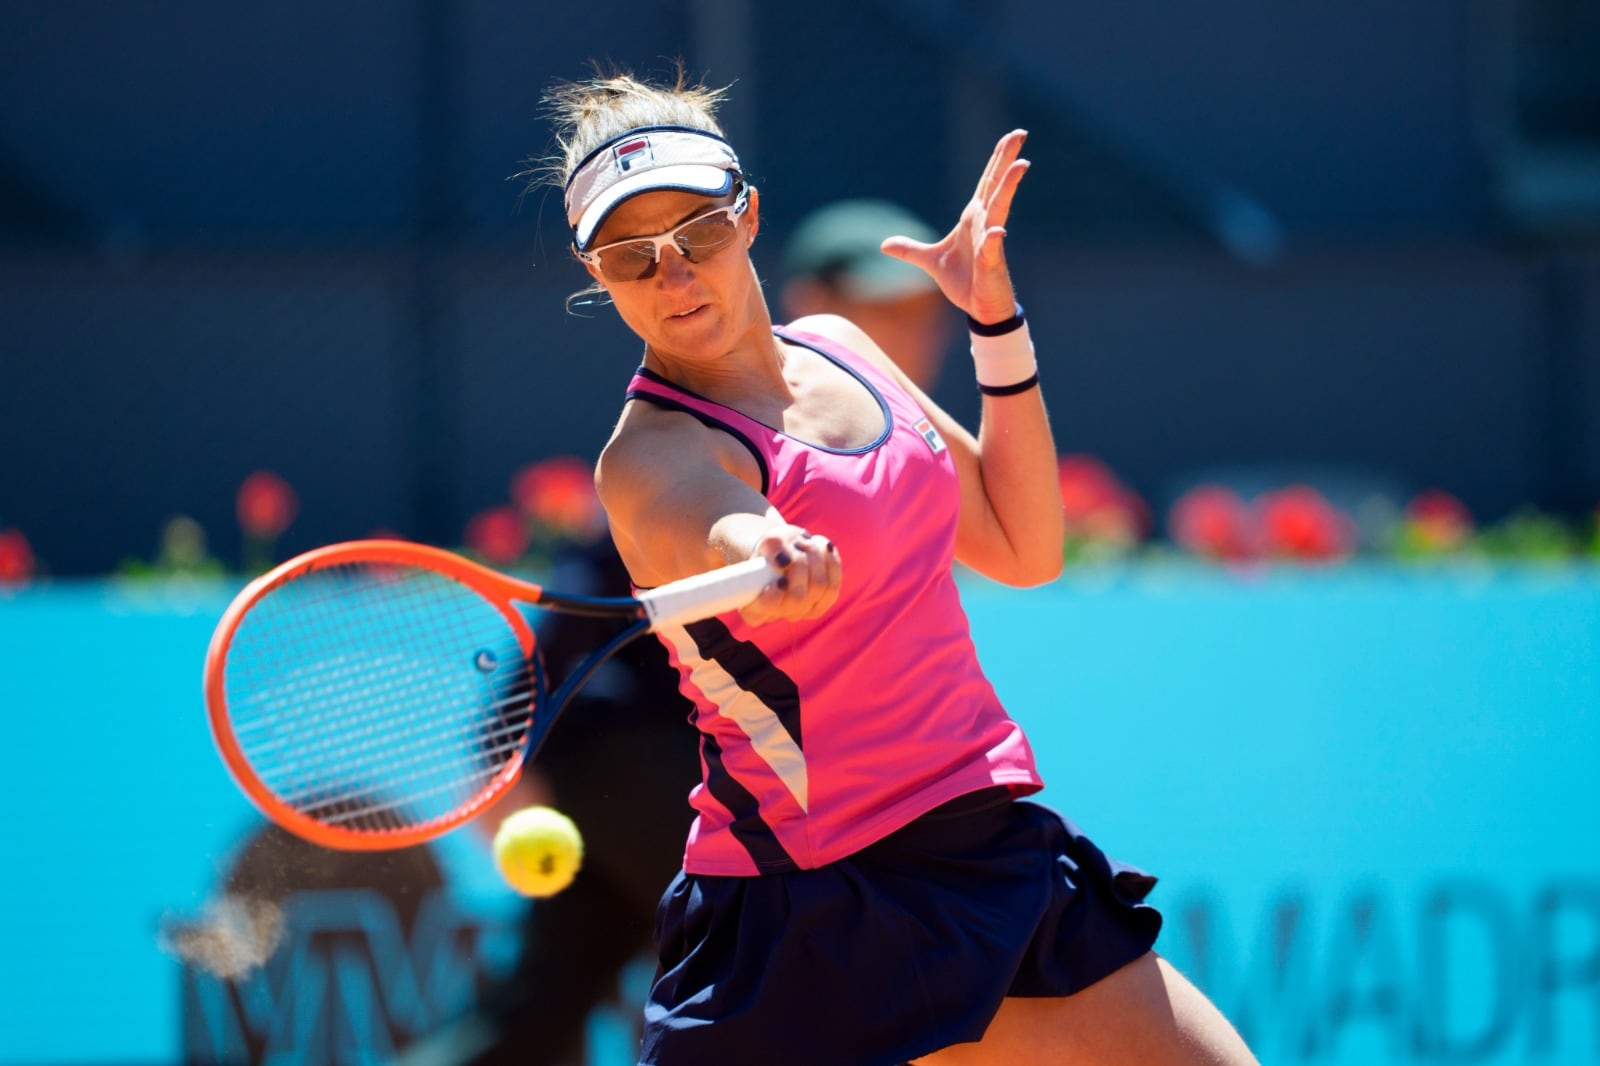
x: 703, y: 595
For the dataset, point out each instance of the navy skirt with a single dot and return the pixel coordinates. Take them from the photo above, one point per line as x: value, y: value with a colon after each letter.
x: 903, y: 948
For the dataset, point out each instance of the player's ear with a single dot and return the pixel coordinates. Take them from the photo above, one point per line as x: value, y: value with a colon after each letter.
x: 753, y: 213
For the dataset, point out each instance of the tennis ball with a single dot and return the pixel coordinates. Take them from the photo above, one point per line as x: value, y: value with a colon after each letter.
x: 538, y: 851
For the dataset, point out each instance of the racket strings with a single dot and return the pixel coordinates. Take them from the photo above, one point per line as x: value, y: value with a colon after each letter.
x: 331, y: 739
x: 322, y: 734
x: 315, y: 721
x: 377, y: 696
x: 402, y: 774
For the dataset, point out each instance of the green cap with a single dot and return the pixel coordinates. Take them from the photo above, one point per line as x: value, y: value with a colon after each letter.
x: 838, y: 245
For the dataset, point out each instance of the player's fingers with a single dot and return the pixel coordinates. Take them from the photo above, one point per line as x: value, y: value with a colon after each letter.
x: 806, y: 578
x: 810, y: 582
x: 991, y: 168
x: 923, y: 256
x: 1005, y: 151
x: 831, y: 578
x: 999, y: 204
x: 991, y: 251
x: 768, y: 604
x: 775, y: 601
x: 795, y: 581
x: 821, y: 576
x: 902, y: 247
x: 801, y: 588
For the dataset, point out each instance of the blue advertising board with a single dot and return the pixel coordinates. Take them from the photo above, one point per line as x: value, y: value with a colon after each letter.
x: 1370, y: 794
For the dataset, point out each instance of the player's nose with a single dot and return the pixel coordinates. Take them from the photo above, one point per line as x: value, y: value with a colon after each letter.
x: 673, y: 264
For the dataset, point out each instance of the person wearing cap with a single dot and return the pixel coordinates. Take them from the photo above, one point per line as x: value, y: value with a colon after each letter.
x: 833, y: 264
x: 864, y: 881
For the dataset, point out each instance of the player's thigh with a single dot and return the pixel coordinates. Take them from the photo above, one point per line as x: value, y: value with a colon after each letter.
x: 1145, y: 1013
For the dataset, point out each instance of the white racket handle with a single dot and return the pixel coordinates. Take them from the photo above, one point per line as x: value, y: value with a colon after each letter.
x: 703, y: 595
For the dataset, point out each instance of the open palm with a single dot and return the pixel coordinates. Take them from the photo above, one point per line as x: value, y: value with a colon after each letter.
x: 969, y: 262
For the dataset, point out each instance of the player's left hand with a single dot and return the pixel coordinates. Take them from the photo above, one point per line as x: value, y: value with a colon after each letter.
x: 969, y: 263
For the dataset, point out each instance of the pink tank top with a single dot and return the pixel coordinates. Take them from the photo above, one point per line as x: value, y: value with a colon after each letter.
x: 818, y: 738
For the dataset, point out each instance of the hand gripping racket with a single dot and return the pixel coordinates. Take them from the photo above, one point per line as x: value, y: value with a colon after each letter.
x: 374, y: 694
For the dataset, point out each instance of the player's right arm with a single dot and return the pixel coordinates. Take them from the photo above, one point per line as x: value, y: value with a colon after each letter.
x: 683, y: 498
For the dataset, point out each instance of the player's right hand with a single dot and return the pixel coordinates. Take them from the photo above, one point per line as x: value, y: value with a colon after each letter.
x: 808, y: 580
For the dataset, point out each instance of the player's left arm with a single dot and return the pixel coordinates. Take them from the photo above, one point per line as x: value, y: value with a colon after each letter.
x: 1011, y: 525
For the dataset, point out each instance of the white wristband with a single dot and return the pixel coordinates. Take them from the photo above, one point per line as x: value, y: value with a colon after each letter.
x: 1005, y: 360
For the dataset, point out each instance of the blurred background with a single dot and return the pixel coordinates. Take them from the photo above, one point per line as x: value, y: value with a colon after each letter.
x: 1316, y: 290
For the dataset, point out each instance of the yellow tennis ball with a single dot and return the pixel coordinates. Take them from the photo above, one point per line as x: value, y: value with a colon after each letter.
x: 538, y: 851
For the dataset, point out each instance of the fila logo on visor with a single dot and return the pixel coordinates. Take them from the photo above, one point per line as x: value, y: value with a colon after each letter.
x: 634, y: 152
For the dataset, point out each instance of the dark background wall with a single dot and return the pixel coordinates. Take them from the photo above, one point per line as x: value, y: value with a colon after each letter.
x: 1354, y: 241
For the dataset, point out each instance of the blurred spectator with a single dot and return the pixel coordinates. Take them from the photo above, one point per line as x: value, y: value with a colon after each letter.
x: 832, y: 265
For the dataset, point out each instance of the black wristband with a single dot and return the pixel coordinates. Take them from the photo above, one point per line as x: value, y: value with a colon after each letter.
x: 1010, y: 390
x: 996, y: 329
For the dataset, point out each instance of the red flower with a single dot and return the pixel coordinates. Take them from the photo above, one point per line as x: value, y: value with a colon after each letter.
x: 1087, y: 485
x: 498, y: 535
x: 1096, y: 505
x: 1438, y: 521
x: 1298, y: 522
x: 559, y: 495
x: 16, y: 558
x: 1212, y: 521
x: 266, y: 505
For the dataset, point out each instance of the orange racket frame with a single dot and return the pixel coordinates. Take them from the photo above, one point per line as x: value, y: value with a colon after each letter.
x: 695, y: 597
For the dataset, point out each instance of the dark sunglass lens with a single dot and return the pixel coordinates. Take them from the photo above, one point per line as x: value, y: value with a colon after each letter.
x: 706, y: 237
x: 629, y: 263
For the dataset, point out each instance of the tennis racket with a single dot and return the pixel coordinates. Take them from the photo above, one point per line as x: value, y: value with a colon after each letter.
x: 377, y: 693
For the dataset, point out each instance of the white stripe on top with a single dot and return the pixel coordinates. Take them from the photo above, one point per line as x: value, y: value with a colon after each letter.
x: 760, y: 723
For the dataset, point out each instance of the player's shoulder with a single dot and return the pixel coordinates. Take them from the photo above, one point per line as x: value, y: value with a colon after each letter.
x: 644, y: 434
x: 836, y: 328
x: 651, y: 444
x: 843, y: 333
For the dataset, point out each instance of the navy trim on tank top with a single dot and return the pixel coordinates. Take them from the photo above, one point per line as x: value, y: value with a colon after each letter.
x: 872, y: 390
x: 883, y: 404
x: 705, y: 419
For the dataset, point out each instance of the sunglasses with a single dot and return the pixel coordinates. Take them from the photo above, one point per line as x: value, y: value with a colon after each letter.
x: 696, y: 240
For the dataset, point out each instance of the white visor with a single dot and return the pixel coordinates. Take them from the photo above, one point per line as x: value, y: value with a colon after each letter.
x: 647, y: 159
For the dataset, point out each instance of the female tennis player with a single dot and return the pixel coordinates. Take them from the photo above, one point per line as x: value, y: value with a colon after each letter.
x: 863, y: 882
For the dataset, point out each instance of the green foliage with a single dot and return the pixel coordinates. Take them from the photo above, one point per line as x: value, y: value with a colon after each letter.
x: 181, y: 552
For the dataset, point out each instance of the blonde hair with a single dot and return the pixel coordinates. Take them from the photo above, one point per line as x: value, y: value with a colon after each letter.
x: 586, y: 114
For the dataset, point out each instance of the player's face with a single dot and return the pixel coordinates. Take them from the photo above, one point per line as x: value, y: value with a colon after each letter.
x: 677, y: 301
x: 700, y: 237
